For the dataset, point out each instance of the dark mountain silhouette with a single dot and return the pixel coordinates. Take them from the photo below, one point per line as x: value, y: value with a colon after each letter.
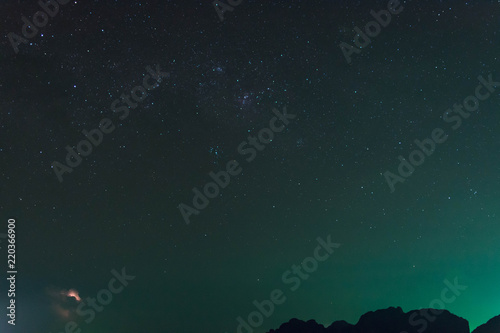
x: 394, y: 320
x: 296, y: 325
x: 492, y: 326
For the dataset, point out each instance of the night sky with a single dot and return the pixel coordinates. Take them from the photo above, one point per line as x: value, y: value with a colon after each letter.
x: 216, y: 88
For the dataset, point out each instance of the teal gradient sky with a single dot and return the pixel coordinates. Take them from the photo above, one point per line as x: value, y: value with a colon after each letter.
x: 322, y: 175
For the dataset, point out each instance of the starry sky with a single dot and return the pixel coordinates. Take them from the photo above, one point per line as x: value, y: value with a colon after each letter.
x: 322, y: 175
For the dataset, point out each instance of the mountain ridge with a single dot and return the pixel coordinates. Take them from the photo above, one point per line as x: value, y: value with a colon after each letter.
x: 394, y: 320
